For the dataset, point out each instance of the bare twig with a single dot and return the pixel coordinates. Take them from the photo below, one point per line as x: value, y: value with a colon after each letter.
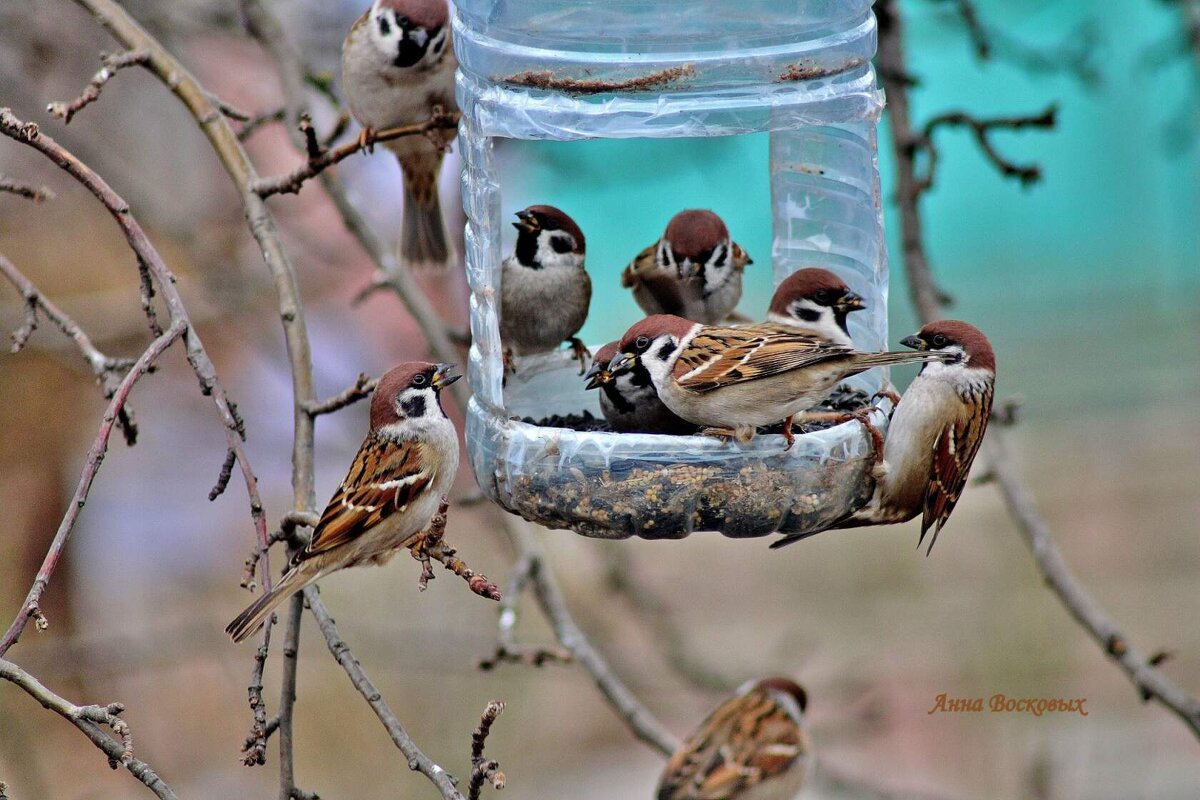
x: 320, y: 159
x: 432, y: 546
x: 362, y: 388
x: 483, y: 769
x: 180, y: 327
x: 108, y: 370
x: 38, y: 194
x: 112, y: 63
x: 1147, y: 677
x: 982, y: 129
x: 635, y: 715
x: 1141, y: 671
x: 508, y: 649
x: 92, y: 720
x: 656, y: 614
x: 417, y: 760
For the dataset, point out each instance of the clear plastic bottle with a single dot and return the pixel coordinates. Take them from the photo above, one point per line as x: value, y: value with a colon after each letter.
x: 579, y: 69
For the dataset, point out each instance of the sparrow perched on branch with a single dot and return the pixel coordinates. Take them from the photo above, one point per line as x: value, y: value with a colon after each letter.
x: 935, y: 433
x: 397, y: 68
x: 544, y: 289
x: 629, y: 401
x: 401, y: 473
x: 694, y: 271
x: 735, y: 380
x: 815, y: 301
x: 754, y: 746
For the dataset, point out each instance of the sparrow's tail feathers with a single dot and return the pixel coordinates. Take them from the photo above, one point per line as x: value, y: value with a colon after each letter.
x: 892, y: 358
x: 424, y: 240
x: 246, y: 623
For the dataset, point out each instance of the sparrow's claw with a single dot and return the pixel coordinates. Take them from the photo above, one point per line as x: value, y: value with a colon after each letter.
x: 863, y: 415
x: 788, y: 436
x: 366, y: 140
x: 582, y: 354
x: 889, y: 394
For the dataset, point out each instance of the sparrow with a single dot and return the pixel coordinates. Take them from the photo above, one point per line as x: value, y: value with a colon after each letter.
x: 397, y: 67
x: 816, y: 301
x: 629, y: 401
x: 935, y: 433
x: 694, y: 271
x: 399, y: 477
x: 544, y: 289
x: 754, y: 746
x: 734, y: 380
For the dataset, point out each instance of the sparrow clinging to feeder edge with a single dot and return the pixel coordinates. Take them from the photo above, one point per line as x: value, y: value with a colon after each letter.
x: 935, y: 432
x: 397, y: 67
x: 754, y: 746
x: 734, y: 380
x: 544, y: 289
x: 694, y: 271
x: 628, y: 401
x: 399, y: 477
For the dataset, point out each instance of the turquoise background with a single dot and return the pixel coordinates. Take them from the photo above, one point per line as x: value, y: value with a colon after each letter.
x: 1093, y: 267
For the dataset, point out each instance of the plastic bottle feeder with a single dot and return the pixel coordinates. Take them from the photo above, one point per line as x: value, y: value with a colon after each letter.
x: 586, y: 69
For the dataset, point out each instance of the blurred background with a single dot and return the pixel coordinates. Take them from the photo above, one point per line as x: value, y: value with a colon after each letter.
x: 1087, y: 283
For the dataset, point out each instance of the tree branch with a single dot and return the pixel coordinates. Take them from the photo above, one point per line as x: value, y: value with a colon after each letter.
x: 92, y: 720
x: 113, y: 62
x: 180, y: 326
x: 417, y: 760
x: 1144, y: 674
x: 38, y: 194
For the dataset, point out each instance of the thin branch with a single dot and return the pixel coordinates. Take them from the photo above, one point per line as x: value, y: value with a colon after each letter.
x: 113, y: 62
x: 92, y: 720
x: 417, y: 760
x: 254, y: 750
x: 38, y: 194
x: 982, y: 129
x: 635, y: 715
x: 1147, y: 677
x: 655, y: 612
x: 432, y: 546
x: 508, y: 649
x: 287, y: 698
x: 319, y: 159
x: 484, y: 769
x: 362, y: 388
x: 180, y: 326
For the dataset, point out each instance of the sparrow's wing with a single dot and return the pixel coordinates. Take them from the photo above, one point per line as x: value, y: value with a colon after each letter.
x: 718, y: 357
x: 746, y: 741
x: 385, y: 478
x: 641, y: 265
x: 953, y: 452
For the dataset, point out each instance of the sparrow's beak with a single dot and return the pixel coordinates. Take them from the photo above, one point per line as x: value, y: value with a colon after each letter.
x: 597, y: 375
x: 526, y: 222
x: 442, y: 376
x: 850, y: 301
x: 687, y: 269
x: 914, y: 341
x: 622, y: 362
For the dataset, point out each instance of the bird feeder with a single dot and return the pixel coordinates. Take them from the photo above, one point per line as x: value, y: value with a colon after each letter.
x: 594, y: 69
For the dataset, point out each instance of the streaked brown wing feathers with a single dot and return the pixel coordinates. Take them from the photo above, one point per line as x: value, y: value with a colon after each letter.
x: 642, y: 265
x: 747, y: 740
x: 953, y: 452
x: 384, y: 479
x: 719, y: 357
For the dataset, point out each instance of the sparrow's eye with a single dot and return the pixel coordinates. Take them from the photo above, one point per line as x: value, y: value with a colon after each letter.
x: 641, y: 342
x: 822, y: 296
x: 420, y: 380
x: 939, y: 340
x: 402, y: 21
